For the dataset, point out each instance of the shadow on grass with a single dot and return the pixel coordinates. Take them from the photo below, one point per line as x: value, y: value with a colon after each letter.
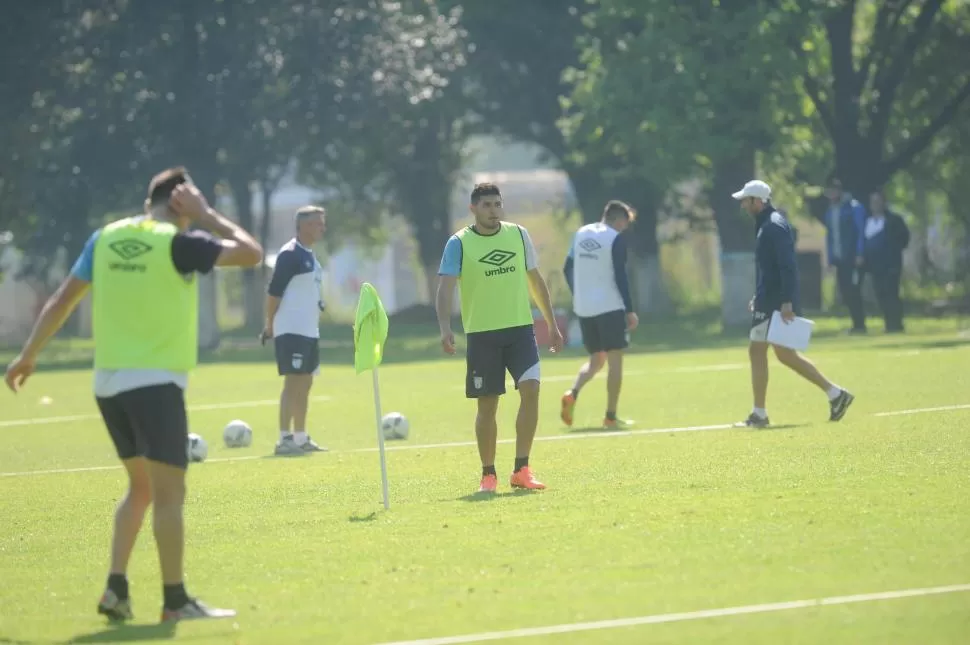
x: 359, y: 519
x: 782, y: 426
x: 490, y: 497
x: 603, y: 430
x: 15, y: 641
x: 922, y: 344
x: 127, y: 634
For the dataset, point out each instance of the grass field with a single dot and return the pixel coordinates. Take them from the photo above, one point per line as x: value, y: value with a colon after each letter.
x: 679, y: 515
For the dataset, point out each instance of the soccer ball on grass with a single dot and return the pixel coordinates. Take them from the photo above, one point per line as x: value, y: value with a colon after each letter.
x: 237, y: 434
x: 395, y: 426
x: 196, y: 448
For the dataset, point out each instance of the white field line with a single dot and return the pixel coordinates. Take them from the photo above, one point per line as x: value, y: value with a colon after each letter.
x: 942, y: 408
x: 463, y: 444
x: 393, y: 448
x: 656, y: 619
x: 192, y: 408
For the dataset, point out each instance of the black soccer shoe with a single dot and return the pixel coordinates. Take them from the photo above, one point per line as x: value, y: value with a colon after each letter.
x: 840, y: 405
x: 753, y: 421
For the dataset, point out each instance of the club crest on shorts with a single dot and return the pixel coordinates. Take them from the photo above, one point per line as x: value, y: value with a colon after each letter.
x: 478, y: 381
x: 297, y: 361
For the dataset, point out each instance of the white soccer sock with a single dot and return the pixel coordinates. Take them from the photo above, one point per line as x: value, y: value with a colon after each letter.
x: 284, y: 434
x: 761, y: 412
x: 300, y: 436
x: 834, y: 392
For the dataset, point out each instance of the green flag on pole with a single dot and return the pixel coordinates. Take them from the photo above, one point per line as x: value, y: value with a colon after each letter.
x: 370, y: 329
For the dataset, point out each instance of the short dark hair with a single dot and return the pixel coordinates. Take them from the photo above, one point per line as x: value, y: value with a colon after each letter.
x: 484, y: 190
x: 162, y: 185
x: 834, y: 180
x: 616, y: 209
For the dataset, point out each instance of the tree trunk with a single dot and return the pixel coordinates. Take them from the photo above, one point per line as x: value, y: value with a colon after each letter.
x: 591, y: 192
x: 424, y: 187
x: 649, y: 292
x: 242, y: 196
x: 267, y: 188
x: 736, y: 234
x: 856, y: 167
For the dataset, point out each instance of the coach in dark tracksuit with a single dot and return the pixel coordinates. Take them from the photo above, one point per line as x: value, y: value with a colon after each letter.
x: 776, y: 289
x: 844, y: 223
x: 886, y: 236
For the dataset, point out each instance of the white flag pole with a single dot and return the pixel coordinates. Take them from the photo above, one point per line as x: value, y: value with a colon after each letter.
x: 380, y: 439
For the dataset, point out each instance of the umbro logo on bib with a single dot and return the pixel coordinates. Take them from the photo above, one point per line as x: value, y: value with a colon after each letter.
x: 590, y: 245
x: 498, y: 259
x: 129, y: 249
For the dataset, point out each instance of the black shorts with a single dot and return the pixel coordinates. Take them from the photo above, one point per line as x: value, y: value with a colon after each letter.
x: 491, y: 353
x: 297, y: 354
x: 148, y: 422
x: 605, y: 332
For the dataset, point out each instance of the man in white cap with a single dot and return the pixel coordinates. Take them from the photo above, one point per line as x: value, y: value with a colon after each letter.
x: 776, y: 289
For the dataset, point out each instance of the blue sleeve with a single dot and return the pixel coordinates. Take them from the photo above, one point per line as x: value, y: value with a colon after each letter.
x: 567, y: 269
x: 451, y: 258
x: 83, y: 268
x: 859, y: 216
x: 785, y: 256
x: 619, y: 271
x: 286, y: 267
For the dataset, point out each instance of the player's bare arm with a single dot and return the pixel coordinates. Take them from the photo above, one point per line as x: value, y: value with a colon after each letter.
x: 540, y: 295
x: 56, y: 311
x: 444, y: 301
x: 272, y: 306
x: 239, y: 247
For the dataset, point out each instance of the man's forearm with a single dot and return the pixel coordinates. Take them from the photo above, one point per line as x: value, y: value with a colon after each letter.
x: 52, y: 318
x: 443, y: 305
x: 540, y: 294
x: 225, y: 228
x: 272, y: 306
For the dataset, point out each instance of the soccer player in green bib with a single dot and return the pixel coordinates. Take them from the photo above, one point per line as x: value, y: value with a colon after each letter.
x: 495, y: 266
x: 146, y: 306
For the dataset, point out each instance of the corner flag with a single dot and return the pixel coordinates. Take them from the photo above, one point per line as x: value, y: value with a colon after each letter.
x: 370, y: 329
x: 370, y: 334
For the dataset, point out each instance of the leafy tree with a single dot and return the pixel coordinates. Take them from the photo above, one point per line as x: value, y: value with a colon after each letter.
x: 669, y: 86
x: 402, y: 124
x: 884, y: 79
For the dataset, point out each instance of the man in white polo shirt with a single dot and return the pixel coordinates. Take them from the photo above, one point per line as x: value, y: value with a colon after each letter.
x: 595, y: 271
x: 293, y: 305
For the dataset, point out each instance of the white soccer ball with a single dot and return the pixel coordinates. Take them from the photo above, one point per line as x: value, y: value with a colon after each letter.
x: 196, y: 448
x: 237, y: 434
x: 395, y: 426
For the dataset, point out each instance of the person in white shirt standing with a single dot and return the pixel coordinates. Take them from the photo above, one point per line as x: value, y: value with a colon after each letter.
x: 293, y: 305
x: 595, y: 271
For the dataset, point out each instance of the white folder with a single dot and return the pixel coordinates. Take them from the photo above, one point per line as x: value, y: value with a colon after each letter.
x: 794, y: 335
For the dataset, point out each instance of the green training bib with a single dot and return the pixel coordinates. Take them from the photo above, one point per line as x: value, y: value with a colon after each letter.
x: 146, y: 314
x: 493, y: 283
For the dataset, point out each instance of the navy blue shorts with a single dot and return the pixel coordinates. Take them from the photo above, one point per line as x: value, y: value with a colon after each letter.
x: 492, y: 353
x: 605, y: 332
x: 297, y: 354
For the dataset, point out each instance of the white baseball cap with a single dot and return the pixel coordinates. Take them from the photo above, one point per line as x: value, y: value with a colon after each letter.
x: 754, y: 188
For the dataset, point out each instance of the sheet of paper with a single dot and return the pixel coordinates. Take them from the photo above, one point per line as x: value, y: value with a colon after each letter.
x: 794, y: 335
